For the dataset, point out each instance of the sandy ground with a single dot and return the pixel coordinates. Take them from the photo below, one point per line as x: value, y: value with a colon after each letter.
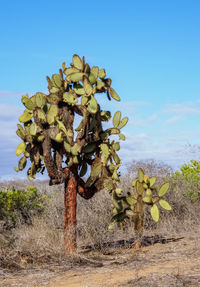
x: 167, y: 264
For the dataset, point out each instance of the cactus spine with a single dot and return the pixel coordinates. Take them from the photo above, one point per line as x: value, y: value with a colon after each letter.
x: 68, y: 152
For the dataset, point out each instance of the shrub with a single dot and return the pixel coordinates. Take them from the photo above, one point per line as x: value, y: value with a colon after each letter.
x: 20, y: 205
x: 190, y: 173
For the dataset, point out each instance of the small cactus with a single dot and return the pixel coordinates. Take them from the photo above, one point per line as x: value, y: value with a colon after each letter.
x: 143, y: 192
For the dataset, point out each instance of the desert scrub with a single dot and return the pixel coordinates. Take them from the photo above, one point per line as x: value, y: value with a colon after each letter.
x: 190, y: 174
x: 19, y: 205
x: 143, y: 192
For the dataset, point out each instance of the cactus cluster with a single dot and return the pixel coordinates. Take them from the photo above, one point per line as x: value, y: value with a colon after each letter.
x: 143, y: 192
x: 50, y: 139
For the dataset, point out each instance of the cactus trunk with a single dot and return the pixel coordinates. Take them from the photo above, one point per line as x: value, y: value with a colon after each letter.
x: 138, y: 222
x: 70, y: 215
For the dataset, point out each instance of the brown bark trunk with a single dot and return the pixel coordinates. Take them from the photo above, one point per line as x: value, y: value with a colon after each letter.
x: 70, y: 215
x: 139, y: 222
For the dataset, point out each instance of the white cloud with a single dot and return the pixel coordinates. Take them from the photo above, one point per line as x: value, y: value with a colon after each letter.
x: 143, y: 147
x: 186, y: 108
x: 172, y: 120
x: 144, y: 122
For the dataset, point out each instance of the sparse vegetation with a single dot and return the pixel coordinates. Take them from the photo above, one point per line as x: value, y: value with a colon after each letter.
x: 132, y: 205
x: 19, y: 205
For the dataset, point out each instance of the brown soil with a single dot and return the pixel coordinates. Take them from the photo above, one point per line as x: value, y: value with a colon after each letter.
x: 164, y: 263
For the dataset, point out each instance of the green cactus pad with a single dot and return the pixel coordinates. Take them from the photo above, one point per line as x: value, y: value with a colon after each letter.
x: 122, y: 137
x: 94, y: 71
x: 108, y: 184
x: 114, y: 131
x: 87, y: 86
x: 20, y: 148
x: 114, y: 95
x: 40, y: 138
x: 139, y: 187
x: 54, y: 90
x: 123, y: 122
x: 147, y: 199
x: 75, y: 149
x: 76, y: 77
x: 118, y: 191
x: 145, y: 185
x: 152, y: 181
x: 25, y: 117
x: 131, y: 200
x: 57, y: 80
x: 116, y: 119
x: 164, y: 188
x: 102, y: 74
x: 155, y: 213
x: 96, y: 168
x: 69, y: 135
x: 41, y: 115
x: 116, y: 146
x: 92, y: 105
x: 22, y: 163
x: 164, y: 204
x: 59, y: 137
x: 77, y: 63
x: 33, y: 129
x: 140, y: 175
x: 79, y: 90
x: 53, y: 99
x: 70, y: 71
x: 67, y: 147
x: 75, y: 159
x: 116, y: 158
x: 115, y: 210
x: 51, y: 114
x: 70, y: 98
x: 40, y: 100
x: 28, y: 103
x: 100, y: 85
x: 62, y: 127
x: 133, y: 182
x: 84, y: 100
x: 105, y: 150
x: 148, y: 192
x: 20, y: 132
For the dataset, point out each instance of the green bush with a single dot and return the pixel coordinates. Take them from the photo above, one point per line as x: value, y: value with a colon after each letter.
x: 20, y: 205
x: 190, y: 173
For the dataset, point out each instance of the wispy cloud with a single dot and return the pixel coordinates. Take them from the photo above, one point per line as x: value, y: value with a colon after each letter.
x: 172, y: 120
x: 138, y: 122
x: 186, y: 108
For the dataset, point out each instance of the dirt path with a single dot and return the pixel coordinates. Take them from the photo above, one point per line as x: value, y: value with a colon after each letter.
x: 163, y: 265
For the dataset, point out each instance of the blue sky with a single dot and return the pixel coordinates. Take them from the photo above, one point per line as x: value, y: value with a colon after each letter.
x: 149, y: 48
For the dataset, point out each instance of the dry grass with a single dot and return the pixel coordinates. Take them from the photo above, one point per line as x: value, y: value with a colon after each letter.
x: 43, y: 240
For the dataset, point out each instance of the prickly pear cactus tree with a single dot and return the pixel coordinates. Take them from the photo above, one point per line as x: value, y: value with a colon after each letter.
x: 143, y: 192
x: 52, y: 139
